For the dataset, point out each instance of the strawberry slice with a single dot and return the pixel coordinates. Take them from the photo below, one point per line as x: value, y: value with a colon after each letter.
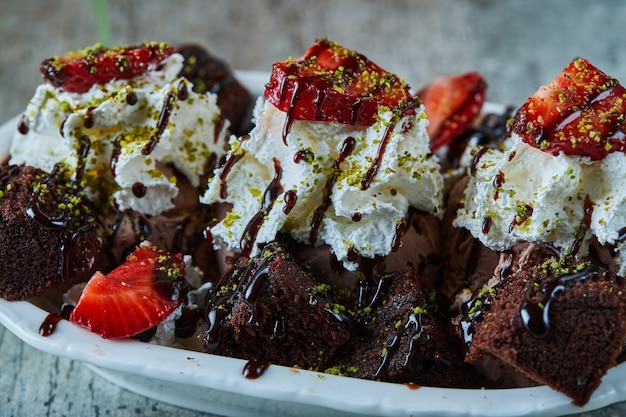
x: 452, y: 104
x: 581, y: 112
x: 333, y: 84
x: 77, y: 72
x: 134, y: 297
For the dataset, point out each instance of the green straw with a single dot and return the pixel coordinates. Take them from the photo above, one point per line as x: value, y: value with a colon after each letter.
x: 102, y: 21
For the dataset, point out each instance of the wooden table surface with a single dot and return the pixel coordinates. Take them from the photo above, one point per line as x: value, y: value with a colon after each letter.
x: 516, y: 45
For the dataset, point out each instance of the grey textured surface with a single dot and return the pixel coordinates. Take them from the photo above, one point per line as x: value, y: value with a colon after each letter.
x: 516, y: 45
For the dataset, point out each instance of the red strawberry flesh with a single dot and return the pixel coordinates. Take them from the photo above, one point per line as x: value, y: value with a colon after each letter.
x: 580, y: 113
x: 77, y: 72
x: 451, y: 104
x: 330, y: 83
x: 134, y: 297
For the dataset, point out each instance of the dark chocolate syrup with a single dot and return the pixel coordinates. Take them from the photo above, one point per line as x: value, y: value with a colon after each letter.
x: 376, y: 299
x: 131, y: 98
x: 472, y: 312
x: 273, y: 190
x: 535, y: 314
x: 6, y: 172
x: 521, y: 217
x: 497, y: 183
x: 84, y: 146
x: 88, y: 120
x: 187, y: 323
x: 291, y: 197
x: 49, y: 324
x: 303, y: 155
x: 401, y: 227
x: 346, y: 150
x: 397, y: 115
x: 476, y: 159
x: 22, y: 125
x: 412, y: 332
x: 164, y: 117
x: 226, y: 168
x: 584, y: 225
x: 139, y: 189
x: 182, y: 93
x: 115, y: 155
x: 255, y: 368
x: 486, y: 226
x: 506, y: 262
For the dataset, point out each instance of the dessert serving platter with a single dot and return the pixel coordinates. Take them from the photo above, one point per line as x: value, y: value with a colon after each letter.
x: 216, y: 384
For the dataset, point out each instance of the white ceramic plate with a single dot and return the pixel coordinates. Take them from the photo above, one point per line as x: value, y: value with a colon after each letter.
x: 215, y: 384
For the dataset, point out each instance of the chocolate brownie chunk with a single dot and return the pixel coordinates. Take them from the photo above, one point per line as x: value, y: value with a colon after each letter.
x: 563, y: 327
x: 407, y: 338
x: 47, y: 231
x: 269, y: 308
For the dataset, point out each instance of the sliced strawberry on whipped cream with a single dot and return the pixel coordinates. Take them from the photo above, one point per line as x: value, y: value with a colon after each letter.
x: 134, y: 297
x: 558, y: 179
x: 330, y: 83
x: 338, y: 155
x: 452, y: 103
x: 581, y: 112
x: 77, y: 72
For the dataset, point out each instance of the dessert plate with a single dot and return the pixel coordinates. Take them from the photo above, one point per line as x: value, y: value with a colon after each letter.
x: 215, y: 384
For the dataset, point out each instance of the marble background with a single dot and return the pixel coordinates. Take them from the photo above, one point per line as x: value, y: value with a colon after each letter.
x: 516, y: 45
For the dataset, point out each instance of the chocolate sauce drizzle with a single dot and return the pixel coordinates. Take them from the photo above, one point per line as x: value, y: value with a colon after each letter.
x: 291, y: 198
x: 535, y: 314
x: 273, y: 190
x: 584, y: 226
x: 49, y: 324
x: 22, y: 125
x: 131, y: 98
x: 486, y: 226
x: 226, y: 168
x: 255, y: 368
x: 401, y: 228
x: 497, y: 184
x: 381, y: 283
x: 476, y: 159
x: 412, y: 331
x: 139, y: 189
x: 164, y: 117
x: 398, y: 112
x: 88, y: 121
x: 346, y: 150
x: 303, y: 155
x: 472, y: 311
x: 521, y: 217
